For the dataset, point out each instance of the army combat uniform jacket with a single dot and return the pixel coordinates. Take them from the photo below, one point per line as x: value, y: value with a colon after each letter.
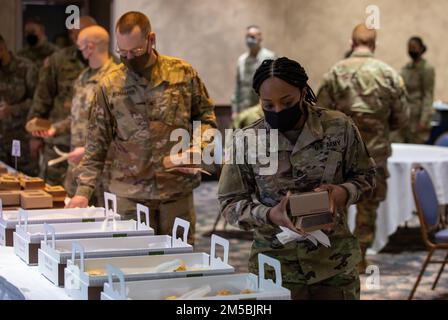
x: 329, y: 150
x: 135, y: 117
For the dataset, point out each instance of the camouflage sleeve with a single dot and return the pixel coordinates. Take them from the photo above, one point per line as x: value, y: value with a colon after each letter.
x: 21, y: 109
x: 237, y: 93
x: 428, y: 95
x: 399, y: 109
x: 235, y: 190
x: 202, y: 108
x: 359, y: 166
x: 63, y: 127
x: 324, y: 94
x: 45, y: 92
x: 99, y: 138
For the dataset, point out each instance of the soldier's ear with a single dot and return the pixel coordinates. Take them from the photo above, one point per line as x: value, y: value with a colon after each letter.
x: 152, y: 39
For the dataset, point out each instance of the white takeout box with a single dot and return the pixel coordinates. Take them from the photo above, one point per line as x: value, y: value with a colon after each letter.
x: 263, y: 289
x: 79, y: 284
x: 53, y: 255
x: 27, y: 238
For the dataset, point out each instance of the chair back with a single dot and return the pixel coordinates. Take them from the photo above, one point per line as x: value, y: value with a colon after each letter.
x: 442, y: 141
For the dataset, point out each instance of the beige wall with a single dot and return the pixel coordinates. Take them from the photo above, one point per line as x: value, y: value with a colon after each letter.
x: 210, y: 33
x: 11, y: 23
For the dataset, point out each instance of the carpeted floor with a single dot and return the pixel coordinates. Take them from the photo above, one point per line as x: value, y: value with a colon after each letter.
x: 399, y: 263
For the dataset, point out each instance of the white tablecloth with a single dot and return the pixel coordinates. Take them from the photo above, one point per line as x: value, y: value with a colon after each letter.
x: 399, y: 204
x: 15, y: 276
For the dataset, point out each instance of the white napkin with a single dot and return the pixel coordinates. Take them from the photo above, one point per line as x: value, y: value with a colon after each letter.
x: 287, y: 235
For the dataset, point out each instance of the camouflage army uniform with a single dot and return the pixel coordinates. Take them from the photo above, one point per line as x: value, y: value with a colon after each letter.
x: 17, y: 84
x: 373, y: 95
x: 52, y: 100
x: 134, y: 117
x: 77, y: 123
x: 244, y: 96
x: 248, y: 116
x: 419, y: 81
x: 328, y: 150
x: 38, y: 54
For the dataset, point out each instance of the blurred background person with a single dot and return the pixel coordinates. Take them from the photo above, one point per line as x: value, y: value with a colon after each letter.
x: 419, y: 78
x: 244, y: 96
x: 37, y: 47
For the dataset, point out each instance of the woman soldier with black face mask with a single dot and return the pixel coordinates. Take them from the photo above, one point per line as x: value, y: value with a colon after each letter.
x: 419, y: 77
x: 318, y: 150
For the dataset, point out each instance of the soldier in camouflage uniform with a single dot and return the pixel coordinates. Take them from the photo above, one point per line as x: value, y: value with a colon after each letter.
x: 247, y: 117
x: 318, y: 150
x: 419, y: 78
x: 52, y: 101
x: 136, y: 109
x: 94, y: 43
x: 244, y: 96
x: 37, y: 47
x: 373, y: 95
x: 18, y: 77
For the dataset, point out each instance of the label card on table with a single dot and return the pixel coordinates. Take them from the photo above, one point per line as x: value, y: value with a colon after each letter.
x: 15, y: 148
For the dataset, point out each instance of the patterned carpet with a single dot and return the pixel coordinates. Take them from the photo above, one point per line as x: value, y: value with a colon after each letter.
x: 399, y: 263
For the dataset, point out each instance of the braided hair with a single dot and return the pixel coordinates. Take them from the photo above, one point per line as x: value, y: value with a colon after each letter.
x: 287, y: 70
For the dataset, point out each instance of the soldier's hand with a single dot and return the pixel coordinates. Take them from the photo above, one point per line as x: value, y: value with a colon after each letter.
x: 5, y: 111
x: 76, y: 155
x: 36, y: 146
x: 78, y: 202
x: 338, y: 196
x: 278, y: 215
x: 45, y: 133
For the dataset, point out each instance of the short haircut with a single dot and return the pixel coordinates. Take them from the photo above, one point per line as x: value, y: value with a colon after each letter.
x: 420, y: 42
x: 130, y: 19
x: 363, y: 36
x: 36, y: 20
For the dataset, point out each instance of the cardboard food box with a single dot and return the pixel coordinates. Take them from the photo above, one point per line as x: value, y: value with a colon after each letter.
x: 27, y: 238
x: 9, y: 182
x: 57, y: 192
x: 85, y: 278
x: 9, y: 219
x: 37, y: 124
x: 32, y: 183
x: 3, y: 169
x: 245, y: 286
x: 35, y: 199
x: 10, y: 197
x: 311, y: 211
x: 53, y: 255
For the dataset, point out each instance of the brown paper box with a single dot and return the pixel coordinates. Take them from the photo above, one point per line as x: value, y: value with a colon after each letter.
x: 32, y: 183
x: 10, y: 198
x: 8, y: 182
x: 311, y: 210
x: 35, y: 199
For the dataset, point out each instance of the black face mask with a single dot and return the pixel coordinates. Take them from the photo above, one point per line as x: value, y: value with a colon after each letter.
x: 32, y: 39
x: 137, y: 64
x: 81, y: 57
x: 284, y: 120
x: 414, y: 55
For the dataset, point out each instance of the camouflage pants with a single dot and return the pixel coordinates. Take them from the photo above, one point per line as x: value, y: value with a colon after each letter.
x: 162, y: 213
x: 54, y: 175
x: 343, y: 286
x: 367, y: 210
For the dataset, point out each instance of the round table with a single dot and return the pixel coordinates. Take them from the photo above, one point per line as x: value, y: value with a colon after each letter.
x: 399, y: 204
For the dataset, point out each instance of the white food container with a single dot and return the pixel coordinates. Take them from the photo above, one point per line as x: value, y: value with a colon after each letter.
x: 9, y: 219
x: 80, y: 283
x: 53, y: 255
x: 206, y: 288
x: 27, y: 238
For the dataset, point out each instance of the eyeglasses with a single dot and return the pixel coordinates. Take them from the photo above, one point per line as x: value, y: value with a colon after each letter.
x: 134, y: 52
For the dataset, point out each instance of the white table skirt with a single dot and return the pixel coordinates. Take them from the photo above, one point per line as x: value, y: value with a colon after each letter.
x: 399, y: 204
x: 16, y: 275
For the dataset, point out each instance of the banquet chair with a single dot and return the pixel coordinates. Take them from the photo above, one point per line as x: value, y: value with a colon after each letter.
x: 434, y: 234
x: 442, y: 141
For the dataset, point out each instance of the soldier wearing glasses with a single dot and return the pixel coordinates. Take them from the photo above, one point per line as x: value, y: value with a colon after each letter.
x: 137, y: 107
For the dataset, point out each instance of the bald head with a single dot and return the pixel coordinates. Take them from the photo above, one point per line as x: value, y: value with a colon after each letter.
x: 363, y: 36
x: 84, y: 22
x: 96, y: 35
